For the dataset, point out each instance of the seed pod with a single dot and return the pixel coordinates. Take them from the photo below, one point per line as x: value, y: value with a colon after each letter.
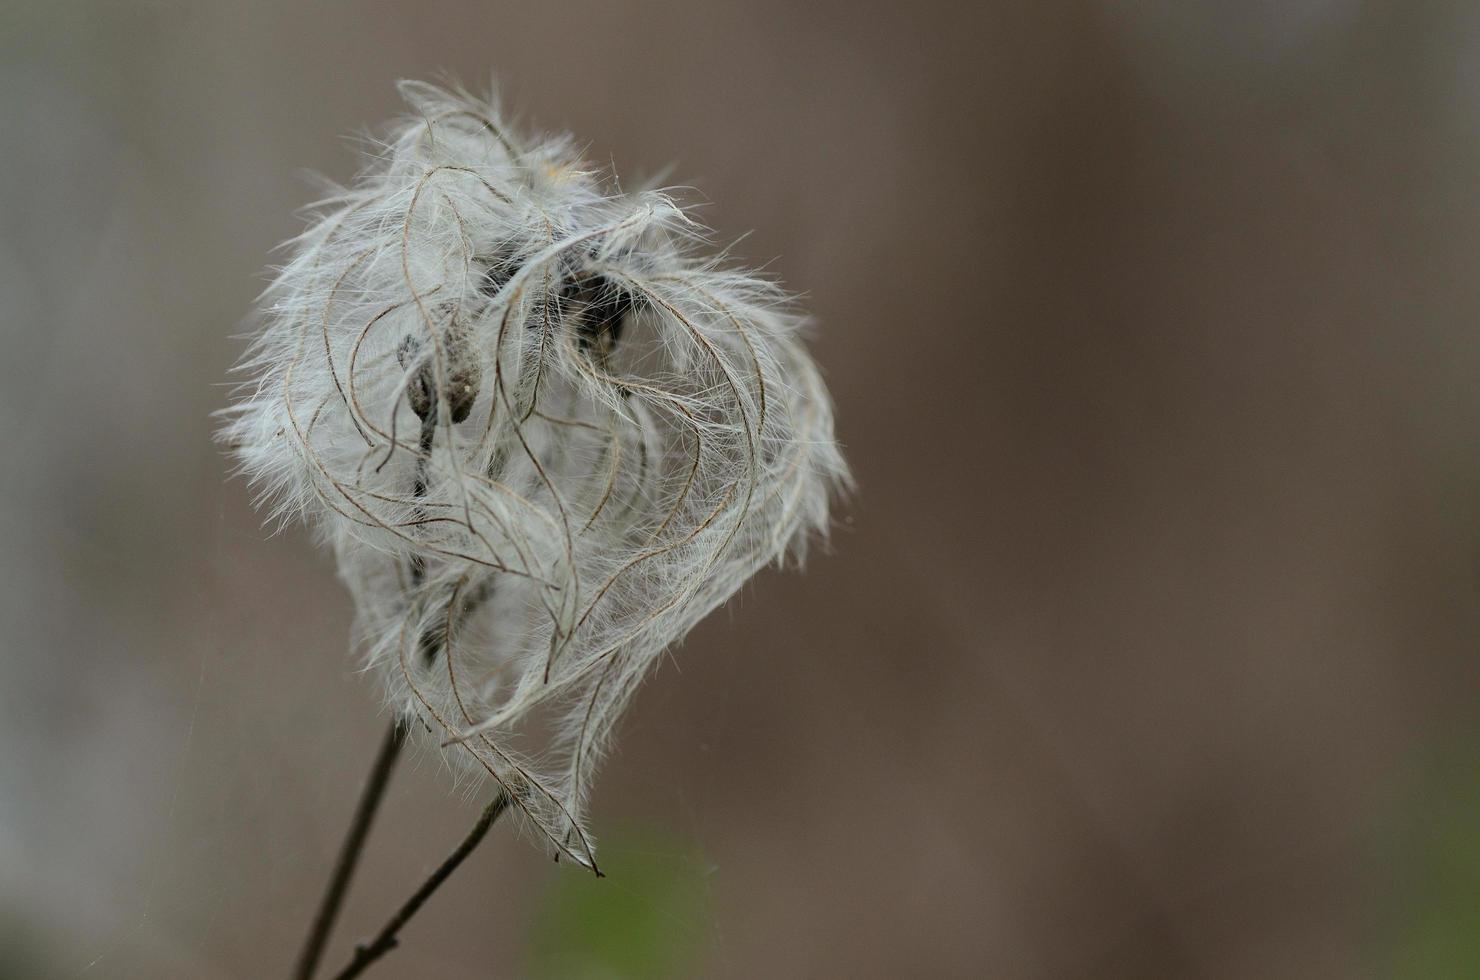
x: 463, y: 375
x: 519, y: 568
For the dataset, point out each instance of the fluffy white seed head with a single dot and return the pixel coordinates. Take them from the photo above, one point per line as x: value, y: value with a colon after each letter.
x: 542, y: 434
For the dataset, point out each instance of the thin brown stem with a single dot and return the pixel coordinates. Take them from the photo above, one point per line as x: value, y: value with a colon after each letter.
x: 380, y: 772
x: 385, y: 940
x: 349, y: 852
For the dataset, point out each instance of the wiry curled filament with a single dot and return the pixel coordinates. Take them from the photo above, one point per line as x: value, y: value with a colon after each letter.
x: 543, y: 437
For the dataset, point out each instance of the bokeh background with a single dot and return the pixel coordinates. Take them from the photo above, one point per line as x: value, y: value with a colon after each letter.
x: 1147, y: 648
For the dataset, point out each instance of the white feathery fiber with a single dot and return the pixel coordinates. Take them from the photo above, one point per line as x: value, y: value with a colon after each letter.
x: 543, y: 434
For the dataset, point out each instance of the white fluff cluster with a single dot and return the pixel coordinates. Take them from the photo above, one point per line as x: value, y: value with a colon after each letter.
x: 542, y: 435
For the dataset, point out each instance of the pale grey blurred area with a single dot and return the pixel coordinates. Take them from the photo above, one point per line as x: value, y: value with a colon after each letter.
x: 1146, y: 649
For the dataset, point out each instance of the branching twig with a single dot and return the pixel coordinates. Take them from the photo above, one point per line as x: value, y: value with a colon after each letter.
x: 370, y: 796
x: 349, y: 852
x: 385, y: 941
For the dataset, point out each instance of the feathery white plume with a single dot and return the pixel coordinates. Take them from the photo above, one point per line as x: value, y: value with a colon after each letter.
x: 542, y: 435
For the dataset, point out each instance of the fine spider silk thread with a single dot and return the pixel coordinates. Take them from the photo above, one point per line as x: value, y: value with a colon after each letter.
x: 543, y: 434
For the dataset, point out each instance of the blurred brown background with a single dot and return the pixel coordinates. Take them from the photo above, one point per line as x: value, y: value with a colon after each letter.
x: 1146, y: 650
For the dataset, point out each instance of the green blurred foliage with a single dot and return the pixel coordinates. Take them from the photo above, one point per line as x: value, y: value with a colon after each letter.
x: 1427, y: 908
x: 649, y: 918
